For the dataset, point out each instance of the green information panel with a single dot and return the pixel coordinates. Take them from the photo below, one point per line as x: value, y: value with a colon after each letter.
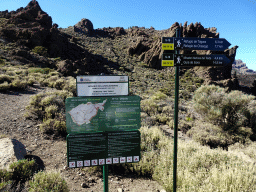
x: 92, y: 149
x: 96, y: 114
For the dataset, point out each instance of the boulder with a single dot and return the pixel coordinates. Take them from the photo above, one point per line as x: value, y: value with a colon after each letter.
x: 84, y: 26
x: 11, y: 150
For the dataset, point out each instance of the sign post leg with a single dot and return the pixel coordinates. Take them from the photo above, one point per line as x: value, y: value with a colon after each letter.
x: 176, y: 111
x: 105, y: 177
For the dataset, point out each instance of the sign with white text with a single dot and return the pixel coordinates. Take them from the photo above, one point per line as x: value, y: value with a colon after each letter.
x: 92, y: 149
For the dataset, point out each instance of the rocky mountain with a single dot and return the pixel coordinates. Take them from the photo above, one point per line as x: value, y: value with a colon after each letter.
x: 241, y: 67
x: 42, y: 60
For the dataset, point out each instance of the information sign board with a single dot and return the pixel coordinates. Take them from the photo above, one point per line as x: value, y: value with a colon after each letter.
x: 102, y: 85
x: 96, y: 114
x: 91, y: 149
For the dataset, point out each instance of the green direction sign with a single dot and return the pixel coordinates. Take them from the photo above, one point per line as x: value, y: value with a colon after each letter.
x: 92, y: 149
x: 200, y: 60
x: 96, y: 114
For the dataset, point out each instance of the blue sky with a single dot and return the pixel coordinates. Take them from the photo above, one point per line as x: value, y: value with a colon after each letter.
x: 235, y: 20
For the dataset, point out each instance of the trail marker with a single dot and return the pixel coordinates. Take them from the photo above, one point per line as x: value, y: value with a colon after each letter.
x: 170, y: 59
x: 193, y: 43
x: 193, y: 60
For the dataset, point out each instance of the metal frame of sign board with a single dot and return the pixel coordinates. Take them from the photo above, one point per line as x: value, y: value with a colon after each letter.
x: 103, y: 148
x: 103, y: 76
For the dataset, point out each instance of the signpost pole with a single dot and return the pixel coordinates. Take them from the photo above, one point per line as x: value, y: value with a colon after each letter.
x: 105, y: 177
x: 176, y: 110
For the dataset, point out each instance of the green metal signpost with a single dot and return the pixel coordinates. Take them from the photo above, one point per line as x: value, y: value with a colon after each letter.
x: 171, y: 59
x: 103, y: 125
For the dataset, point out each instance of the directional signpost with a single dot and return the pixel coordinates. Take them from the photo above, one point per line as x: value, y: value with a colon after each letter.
x: 170, y: 59
x: 195, y: 60
x: 192, y: 43
x: 102, y: 123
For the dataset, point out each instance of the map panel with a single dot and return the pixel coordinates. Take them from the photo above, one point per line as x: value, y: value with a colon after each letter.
x: 96, y: 114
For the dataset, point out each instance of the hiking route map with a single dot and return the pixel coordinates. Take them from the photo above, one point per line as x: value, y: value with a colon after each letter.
x: 83, y: 113
x: 98, y: 114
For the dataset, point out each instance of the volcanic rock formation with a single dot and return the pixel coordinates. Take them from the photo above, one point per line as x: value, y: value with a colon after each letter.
x: 84, y: 26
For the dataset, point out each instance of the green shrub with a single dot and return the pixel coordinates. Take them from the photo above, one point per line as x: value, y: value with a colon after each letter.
x: 23, y: 170
x: 59, y: 83
x: 39, y: 70
x: 4, y: 86
x: 159, y: 96
x: 19, y: 84
x: 54, y: 126
x: 40, y: 50
x: 149, y: 106
x: 70, y: 85
x: 207, y: 101
x: 230, y: 111
x: 50, y: 108
x: 50, y: 181
x: 5, y: 176
x: 57, y: 59
x: 234, y: 110
x: 6, y: 78
x: 2, y: 62
x: 162, y: 118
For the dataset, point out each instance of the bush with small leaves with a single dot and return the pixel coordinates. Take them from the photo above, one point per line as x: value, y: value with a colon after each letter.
x: 6, y: 78
x: 5, y: 86
x: 40, y: 50
x: 23, y: 170
x: 207, y: 101
x: 48, y: 181
x: 227, y: 110
x: 49, y: 107
x: 5, y: 178
x: 19, y: 84
x: 149, y: 106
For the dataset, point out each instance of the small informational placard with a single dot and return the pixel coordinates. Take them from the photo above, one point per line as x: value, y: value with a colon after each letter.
x: 102, y: 85
x: 93, y: 149
x: 97, y: 114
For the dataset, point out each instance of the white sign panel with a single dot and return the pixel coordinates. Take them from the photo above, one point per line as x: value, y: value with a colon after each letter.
x: 102, y: 85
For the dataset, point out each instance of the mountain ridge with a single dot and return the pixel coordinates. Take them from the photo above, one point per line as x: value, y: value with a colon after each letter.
x: 241, y: 67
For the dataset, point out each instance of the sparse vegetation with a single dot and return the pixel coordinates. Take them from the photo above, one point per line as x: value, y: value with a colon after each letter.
x: 219, y: 120
x: 50, y: 108
x: 48, y: 181
x: 40, y: 50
